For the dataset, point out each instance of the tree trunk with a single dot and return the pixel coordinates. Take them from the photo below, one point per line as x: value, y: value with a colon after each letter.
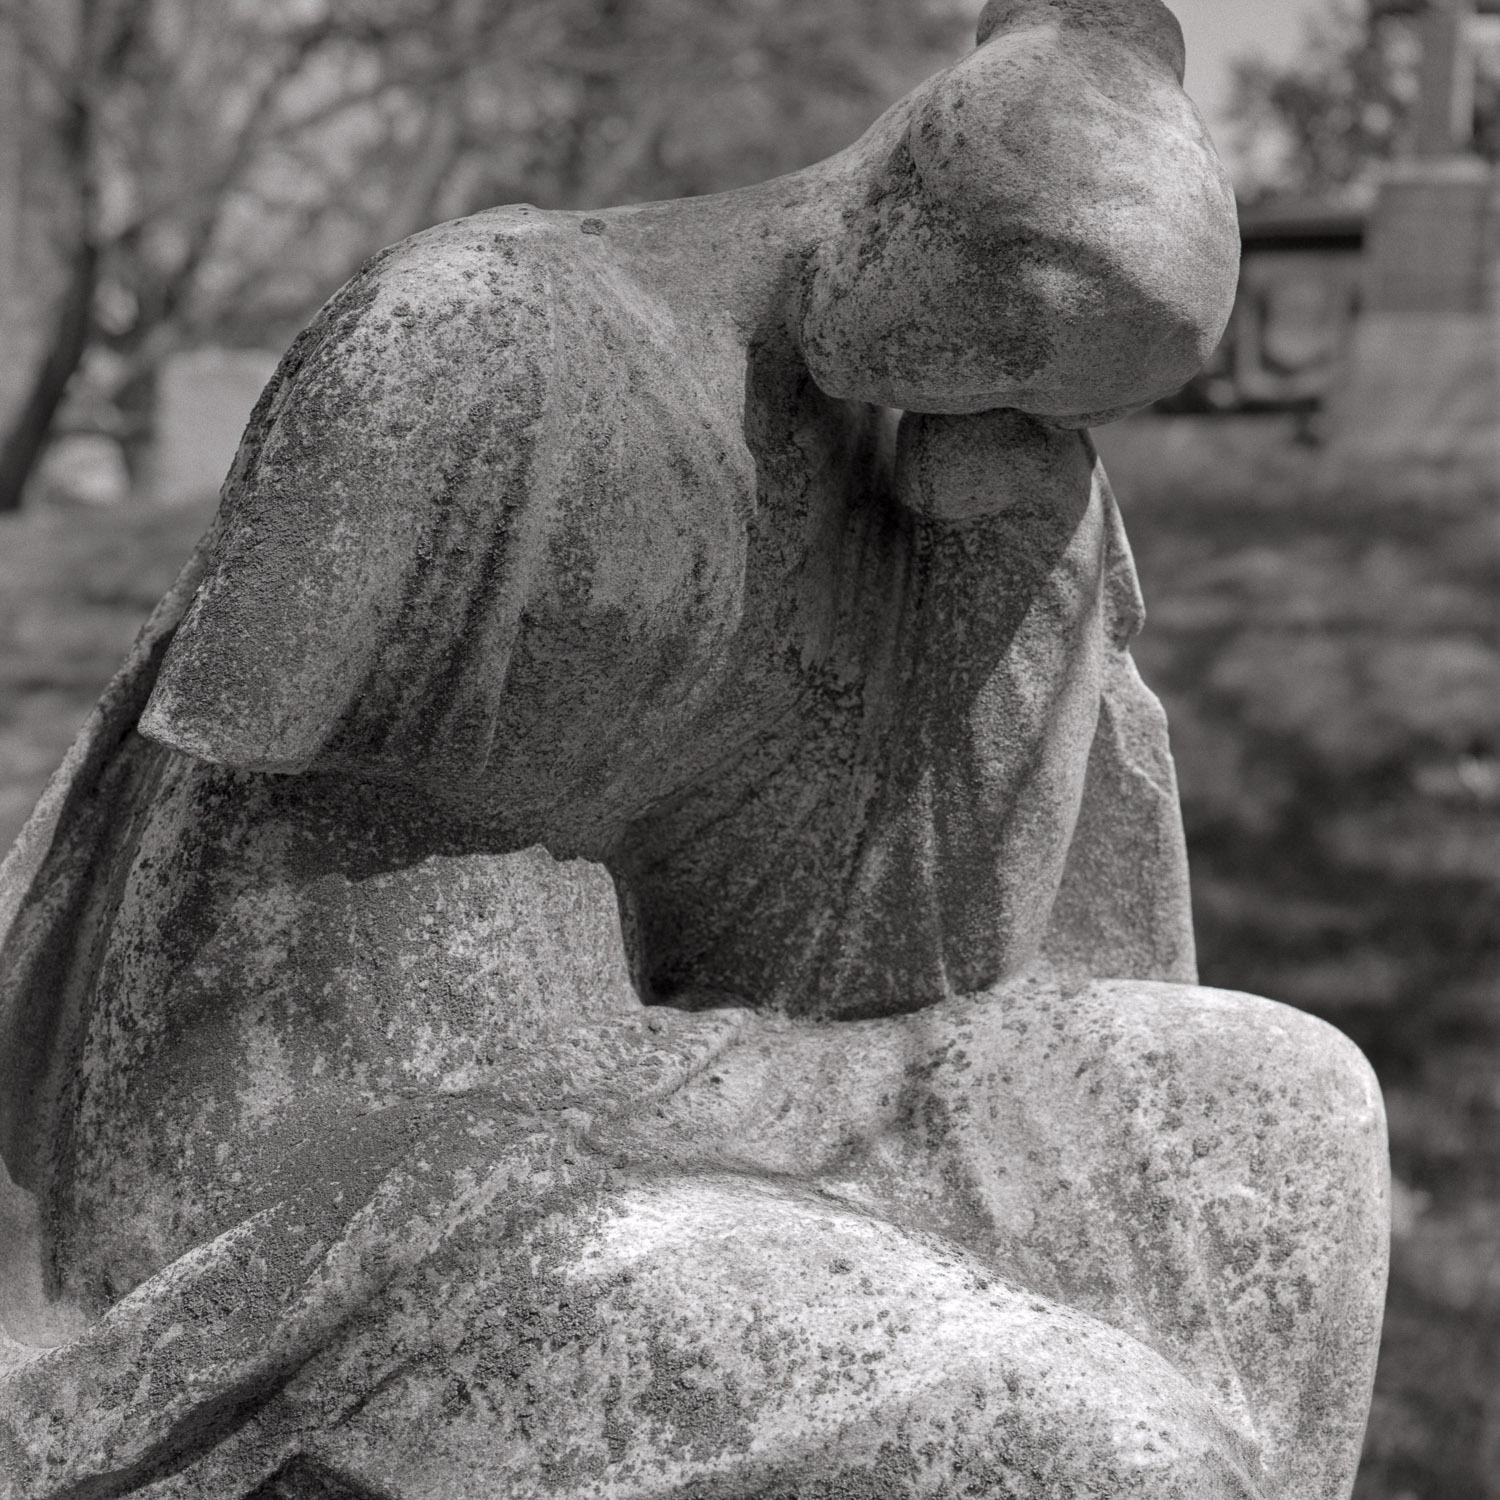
x: 23, y: 445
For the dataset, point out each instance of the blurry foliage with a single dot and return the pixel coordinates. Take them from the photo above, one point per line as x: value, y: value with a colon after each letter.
x: 1328, y: 119
x: 224, y: 166
x: 1342, y: 106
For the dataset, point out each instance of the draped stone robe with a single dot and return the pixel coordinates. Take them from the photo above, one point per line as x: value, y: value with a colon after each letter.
x: 624, y: 929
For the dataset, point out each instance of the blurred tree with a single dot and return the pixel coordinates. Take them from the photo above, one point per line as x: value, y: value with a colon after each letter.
x: 1327, y: 120
x: 164, y: 121
x: 1343, y: 105
x: 227, y: 165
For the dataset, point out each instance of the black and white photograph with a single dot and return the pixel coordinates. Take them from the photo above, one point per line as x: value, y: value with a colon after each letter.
x: 749, y: 750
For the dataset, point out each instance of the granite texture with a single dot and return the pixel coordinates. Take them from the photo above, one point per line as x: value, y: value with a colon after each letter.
x: 624, y: 930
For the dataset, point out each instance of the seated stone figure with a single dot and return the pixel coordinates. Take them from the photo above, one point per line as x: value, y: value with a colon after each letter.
x: 624, y: 930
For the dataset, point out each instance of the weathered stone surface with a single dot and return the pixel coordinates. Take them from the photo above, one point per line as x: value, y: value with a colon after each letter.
x: 1098, y: 1239
x: 1012, y: 195
x: 611, y: 937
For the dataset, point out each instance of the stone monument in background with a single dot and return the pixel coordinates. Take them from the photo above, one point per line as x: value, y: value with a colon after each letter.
x: 1424, y: 375
x: 624, y: 929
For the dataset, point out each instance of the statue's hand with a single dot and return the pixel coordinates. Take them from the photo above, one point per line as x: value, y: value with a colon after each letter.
x: 1052, y: 230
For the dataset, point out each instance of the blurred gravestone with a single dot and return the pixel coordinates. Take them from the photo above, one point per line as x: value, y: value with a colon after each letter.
x: 1425, y: 377
x: 204, y: 400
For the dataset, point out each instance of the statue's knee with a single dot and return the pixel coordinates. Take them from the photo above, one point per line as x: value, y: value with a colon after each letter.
x: 1265, y: 1099
x: 1246, y: 1051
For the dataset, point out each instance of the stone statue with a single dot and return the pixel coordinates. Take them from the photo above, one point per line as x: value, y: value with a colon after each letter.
x: 624, y: 930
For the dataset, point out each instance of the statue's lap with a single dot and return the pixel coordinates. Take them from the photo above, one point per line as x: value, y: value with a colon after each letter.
x: 815, y: 1260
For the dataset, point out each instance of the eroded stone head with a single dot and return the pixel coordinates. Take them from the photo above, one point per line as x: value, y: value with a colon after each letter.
x: 1050, y: 228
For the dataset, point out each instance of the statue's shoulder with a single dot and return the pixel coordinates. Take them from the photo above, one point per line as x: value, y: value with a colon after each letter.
x: 516, y: 269
x: 497, y: 255
x: 489, y: 282
x: 515, y: 307
x: 489, y: 323
x: 473, y: 420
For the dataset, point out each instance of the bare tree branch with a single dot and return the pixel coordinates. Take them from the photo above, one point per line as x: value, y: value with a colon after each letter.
x: 228, y: 164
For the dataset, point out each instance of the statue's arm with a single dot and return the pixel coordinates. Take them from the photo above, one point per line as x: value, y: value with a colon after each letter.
x: 380, y: 509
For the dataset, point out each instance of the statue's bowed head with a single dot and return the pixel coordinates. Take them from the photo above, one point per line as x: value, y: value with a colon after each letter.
x: 1051, y: 229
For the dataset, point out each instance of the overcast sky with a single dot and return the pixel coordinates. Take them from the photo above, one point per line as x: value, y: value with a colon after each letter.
x: 1217, y: 30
